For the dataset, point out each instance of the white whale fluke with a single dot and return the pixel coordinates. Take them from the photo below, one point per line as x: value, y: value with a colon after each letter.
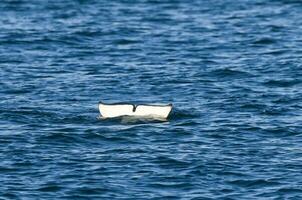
x: 143, y: 110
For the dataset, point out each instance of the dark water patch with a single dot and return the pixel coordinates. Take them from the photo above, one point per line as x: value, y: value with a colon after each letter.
x: 275, y: 111
x: 180, y: 132
x: 126, y: 42
x: 91, y: 191
x: 108, y: 138
x: 253, y: 106
x: 50, y: 188
x: 64, y: 136
x: 167, y: 162
x: 10, y: 195
x: 183, y: 114
x: 229, y: 73
x: 282, y: 131
x: 282, y: 83
x: 7, y: 169
x: 23, y: 114
x: 294, y: 2
x: 254, y: 183
x: 287, y: 99
x: 43, y: 117
x: 264, y: 41
x: 169, y: 185
x: 290, y: 191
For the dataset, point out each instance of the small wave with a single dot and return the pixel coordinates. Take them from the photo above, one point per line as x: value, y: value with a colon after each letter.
x: 276, y: 52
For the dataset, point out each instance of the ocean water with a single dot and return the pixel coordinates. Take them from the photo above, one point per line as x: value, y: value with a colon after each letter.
x: 232, y: 69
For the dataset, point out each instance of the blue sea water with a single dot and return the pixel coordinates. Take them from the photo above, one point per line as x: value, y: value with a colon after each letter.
x: 232, y: 69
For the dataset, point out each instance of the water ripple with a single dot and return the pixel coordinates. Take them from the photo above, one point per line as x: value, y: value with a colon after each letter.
x: 231, y: 69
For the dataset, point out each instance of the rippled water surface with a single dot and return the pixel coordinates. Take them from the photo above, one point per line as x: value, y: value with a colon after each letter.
x: 232, y: 69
